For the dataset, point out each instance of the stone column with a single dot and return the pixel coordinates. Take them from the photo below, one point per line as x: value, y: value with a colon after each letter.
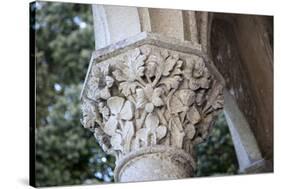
x: 149, y: 99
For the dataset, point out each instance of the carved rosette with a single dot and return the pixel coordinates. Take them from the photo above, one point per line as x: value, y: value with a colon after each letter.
x: 150, y: 101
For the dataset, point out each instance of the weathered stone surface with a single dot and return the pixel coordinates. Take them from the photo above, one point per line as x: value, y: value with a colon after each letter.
x: 168, y: 22
x: 158, y: 163
x: 244, y: 44
x: 109, y: 23
x: 148, y: 96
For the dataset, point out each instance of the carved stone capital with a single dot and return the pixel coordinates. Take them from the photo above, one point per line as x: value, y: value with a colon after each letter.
x: 149, y: 100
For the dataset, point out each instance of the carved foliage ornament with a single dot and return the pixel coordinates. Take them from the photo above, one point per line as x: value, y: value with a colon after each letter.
x: 150, y: 96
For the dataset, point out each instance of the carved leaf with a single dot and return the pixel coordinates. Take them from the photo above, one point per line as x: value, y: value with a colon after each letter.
x: 142, y: 134
x: 190, y: 131
x: 186, y: 96
x: 151, y: 121
x: 149, y: 97
x: 218, y: 103
x: 133, y: 55
x: 194, y: 84
x: 171, y: 82
x: 127, y: 135
x: 111, y: 126
x: 138, y: 66
x: 135, y: 64
x: 96, y: 72
x: 129, y: 72
x: 115, y: 104
x: 193, y: 115
x: 152, y: 58
x: 119, y: 75
x: 177, y: 70
x: 215, y: 99
x: 98, y: 75
x: 198, y: 68
x: 181, y: 100
x: 150, y: 69
x: 141, y: 100
x: 104, y: 110
x: 145, y: 50
x: 116, y: 142
x: 93, y: 93
x: 177, y: 133
x: 109, y: 81
x: 169, y: 65
x: 156, y: 100
x: 197, y: 140
x: 104, y: 93
x: 127, y: 88
x: 176, y: 105
x: 200, y: 97
x: 148, y: 90
x: 99, y: 83
x: 204, y: 83
x: 206, y: 73
x: 102, y: 139
x: 127, y: 111
x: 153, y: 130
x: 149, y: 107
x: 90, y: 115
x: 161, y: 132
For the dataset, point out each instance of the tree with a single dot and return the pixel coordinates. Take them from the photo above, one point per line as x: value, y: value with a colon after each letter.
x: 66, y: 153
x: 217, y: 156
x: 64, y: 42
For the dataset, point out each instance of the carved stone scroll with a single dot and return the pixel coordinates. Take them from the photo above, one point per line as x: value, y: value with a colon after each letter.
x: 149, y: 100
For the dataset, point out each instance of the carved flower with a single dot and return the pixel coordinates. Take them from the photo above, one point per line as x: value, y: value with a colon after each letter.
x: 103, y: 110
x: 171, y: 72
x: 152, y: 132
x: 197, y: 74
x: 121, y: 133
x: 148, y: 98
x: 215, y: 100
x: 103, y: 140
x: 161, y: 63
x: 100, y: 83
x: 190, y: 131
x: 130, y: 71
x: 181, y: 100
x: 121, y: 140
x: 120, y: 111
x: 90, y: 115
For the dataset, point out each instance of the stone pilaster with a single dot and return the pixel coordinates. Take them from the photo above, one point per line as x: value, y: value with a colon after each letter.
x: 149, y: 99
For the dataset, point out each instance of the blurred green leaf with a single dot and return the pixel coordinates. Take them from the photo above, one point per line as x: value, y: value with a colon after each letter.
x: 217, y: 156
x: 66, y: 153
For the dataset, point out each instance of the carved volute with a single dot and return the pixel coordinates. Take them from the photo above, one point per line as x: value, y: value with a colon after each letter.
x: 149, y: 100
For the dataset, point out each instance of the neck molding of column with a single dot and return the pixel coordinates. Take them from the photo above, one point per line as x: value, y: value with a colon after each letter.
x: 149, y: 99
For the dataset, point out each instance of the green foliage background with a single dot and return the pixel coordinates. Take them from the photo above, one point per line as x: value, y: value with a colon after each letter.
x: 66, y: 153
